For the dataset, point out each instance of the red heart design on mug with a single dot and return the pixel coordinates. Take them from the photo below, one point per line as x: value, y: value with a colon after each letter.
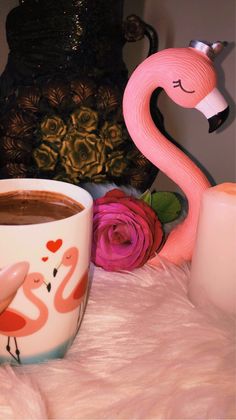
x: 53, y: 246
x: 44, y: 258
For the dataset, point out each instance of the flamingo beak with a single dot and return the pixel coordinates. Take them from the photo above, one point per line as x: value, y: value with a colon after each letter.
x: 55, y: 270
x: 215, y: 109
x: 48, y: 286
x: 218, y: 119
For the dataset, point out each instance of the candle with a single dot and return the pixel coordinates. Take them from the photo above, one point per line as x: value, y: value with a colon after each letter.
x: 213, y: 269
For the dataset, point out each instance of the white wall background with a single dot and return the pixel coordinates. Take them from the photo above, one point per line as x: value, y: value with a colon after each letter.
x: 177, y: 22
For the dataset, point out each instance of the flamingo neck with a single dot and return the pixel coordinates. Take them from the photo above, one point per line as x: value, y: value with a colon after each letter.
x: 62, y: 303
x: 151, y: 142
x: 165, y: 155
x: 43, y: 310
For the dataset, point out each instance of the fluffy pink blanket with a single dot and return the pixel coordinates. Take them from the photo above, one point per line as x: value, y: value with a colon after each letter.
x: 143, y: 352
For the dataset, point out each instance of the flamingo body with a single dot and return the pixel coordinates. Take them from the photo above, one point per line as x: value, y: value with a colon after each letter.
x: 187, y: 76
x: 17, y: 324
x: 14, y: 324
x: 11, y: 322
x: 81, y: 288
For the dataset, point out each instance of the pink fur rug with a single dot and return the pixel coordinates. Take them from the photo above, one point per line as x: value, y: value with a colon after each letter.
x: 143, y: 352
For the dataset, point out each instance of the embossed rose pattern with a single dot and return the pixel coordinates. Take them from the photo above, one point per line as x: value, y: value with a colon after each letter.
x: 72, y: 133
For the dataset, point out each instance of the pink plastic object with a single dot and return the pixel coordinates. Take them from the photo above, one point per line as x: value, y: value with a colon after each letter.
x: 188, y: 77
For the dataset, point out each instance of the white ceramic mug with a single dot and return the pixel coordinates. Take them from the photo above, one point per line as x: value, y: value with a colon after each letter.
x: 44, y: 316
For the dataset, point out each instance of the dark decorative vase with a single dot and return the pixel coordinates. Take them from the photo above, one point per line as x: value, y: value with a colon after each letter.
x: 61, y: 93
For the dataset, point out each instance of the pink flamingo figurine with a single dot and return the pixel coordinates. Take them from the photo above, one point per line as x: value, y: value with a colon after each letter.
x: 11, y: 278
x: 188, y: 77
x: 15, y: 324
x: 70, y: 259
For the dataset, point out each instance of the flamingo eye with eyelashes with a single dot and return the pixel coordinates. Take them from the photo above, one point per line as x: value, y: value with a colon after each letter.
x: 36, y: 280
x: 178, y: 83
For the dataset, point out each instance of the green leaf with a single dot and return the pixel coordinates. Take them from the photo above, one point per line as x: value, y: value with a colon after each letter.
x: 166, y: 205
x: 147, y: 197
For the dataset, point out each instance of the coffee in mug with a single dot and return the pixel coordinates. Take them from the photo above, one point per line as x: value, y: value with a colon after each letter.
x: 26, y: 207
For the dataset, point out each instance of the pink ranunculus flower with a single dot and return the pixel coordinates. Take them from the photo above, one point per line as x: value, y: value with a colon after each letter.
x: 126, y: 232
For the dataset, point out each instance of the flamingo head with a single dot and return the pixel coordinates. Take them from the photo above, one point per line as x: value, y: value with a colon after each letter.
x: 36, y: 280
x: 69, y: 259
x: 189, y: 78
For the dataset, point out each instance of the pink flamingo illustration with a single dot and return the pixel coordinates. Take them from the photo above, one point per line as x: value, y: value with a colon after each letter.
x: 188, y: 77
x: 70, y: 259
x: 16, y: 324
x: 11, y: 278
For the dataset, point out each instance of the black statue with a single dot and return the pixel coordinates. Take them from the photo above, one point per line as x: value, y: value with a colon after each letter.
x: 61, y: 93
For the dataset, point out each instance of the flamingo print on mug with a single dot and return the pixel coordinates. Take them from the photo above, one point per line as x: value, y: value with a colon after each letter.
x: 44, y: 260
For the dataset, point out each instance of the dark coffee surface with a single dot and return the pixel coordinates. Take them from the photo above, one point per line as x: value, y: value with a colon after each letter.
x: 33, y: 207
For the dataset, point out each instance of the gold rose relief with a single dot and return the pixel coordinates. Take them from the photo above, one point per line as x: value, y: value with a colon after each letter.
x: 81, y: 154
x: 85, y: 119
x: 112, y: 135
x: 73, y: 148
x: 45, y: 157
x: 116, y: 164
x: 53, y: 128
